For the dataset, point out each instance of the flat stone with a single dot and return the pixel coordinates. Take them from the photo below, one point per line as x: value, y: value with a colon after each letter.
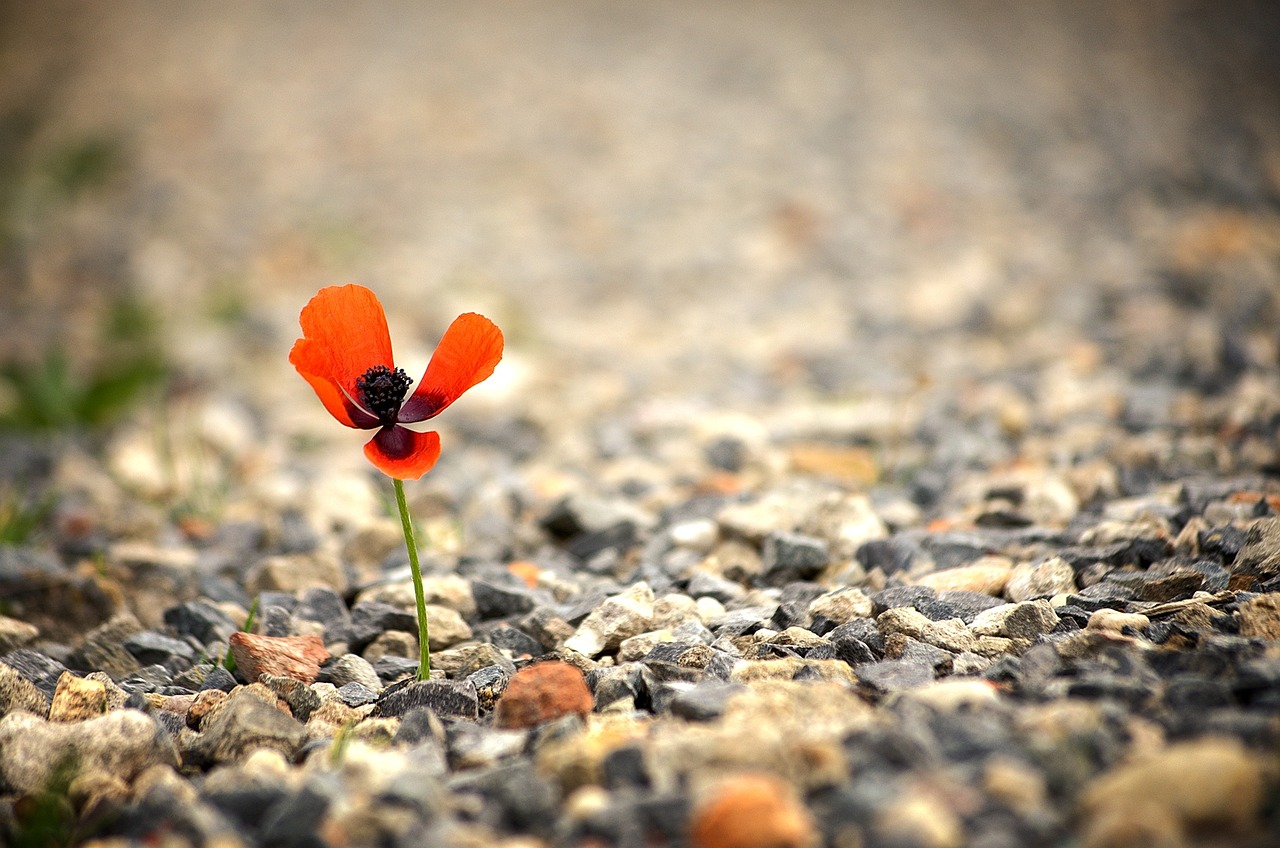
x: 950, y: 635
x: 298, y: 657
x: 445, y: 698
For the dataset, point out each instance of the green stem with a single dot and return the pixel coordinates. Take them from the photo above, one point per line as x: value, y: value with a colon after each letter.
x: 424, y: 663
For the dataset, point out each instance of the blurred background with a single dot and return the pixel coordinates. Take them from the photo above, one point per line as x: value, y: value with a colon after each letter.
x: 916, y: 233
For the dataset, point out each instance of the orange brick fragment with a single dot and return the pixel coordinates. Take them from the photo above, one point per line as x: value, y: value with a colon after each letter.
x: 298, y: 657
x: 753, y: 811
x: 543, y: 692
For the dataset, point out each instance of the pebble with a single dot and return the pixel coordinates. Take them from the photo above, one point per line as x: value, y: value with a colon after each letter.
x: 1053, y: 576
x: 18, y: 693
x: 1026, y: 620
x: 541, y: 693
x: 752, y: 811
x: 298, y: 657
x: 445, y: 698
x: 241, y: 724
x: 987, y: 575
x: 77, y: 699
x: 121, y: 743
x: 617, y: 618
x: 1211, y: 783
x: 350, y: 668
x: 1260, y: 617
x: 1113, y: 621
x: 841, y: 605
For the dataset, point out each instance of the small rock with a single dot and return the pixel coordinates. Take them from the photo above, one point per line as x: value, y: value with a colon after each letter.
x: 18, y: 693
x: 543, y: 692
x: 841, y: 605
x: 788, y: 557
x: 920, y: 819
x: 445, y: 628
x: 1114, y: 621
x: 888, y: 676
x: 445, y: 698
x: 705, y: 701
x: 393, y: 643
x: 243, y: 723
x: 752, y: 811
x: 619, y: 617
x: 77, y: 699
x: 988, y: 575
x: 490, y: 682
x: 298, y: 657
x: 955, y: 694
x: 102, y: 649
x: 300, y: 697
x: 1026, y: 620
x: 151, y: 648
x: 201, y: 620
x: 121, y: 743
x: 1053, y: 576
x: 1260, y: 617
x: 355, y: 694
x: 350, y: 668
x: 951, y: 635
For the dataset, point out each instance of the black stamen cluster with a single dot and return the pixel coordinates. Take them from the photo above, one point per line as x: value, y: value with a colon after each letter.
x: 382, y: 391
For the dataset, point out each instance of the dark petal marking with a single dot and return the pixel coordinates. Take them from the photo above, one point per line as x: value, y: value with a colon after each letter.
x: 420, y: 407
x: 395, y: 441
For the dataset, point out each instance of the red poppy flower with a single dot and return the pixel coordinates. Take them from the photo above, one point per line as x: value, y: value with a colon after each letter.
x: 345, y: 354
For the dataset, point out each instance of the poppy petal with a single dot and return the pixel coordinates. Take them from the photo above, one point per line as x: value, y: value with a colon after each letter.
x: 403, y: 453
x: 339, y: 404
x: 468, y: 353
x: 344, y: 335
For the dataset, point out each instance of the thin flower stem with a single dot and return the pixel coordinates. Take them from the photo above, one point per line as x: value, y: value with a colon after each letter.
x: 424, y: 662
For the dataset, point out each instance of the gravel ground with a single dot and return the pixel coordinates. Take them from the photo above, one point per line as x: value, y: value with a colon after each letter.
x: 884, y: 454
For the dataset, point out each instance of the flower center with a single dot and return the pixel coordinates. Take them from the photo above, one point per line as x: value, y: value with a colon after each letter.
x: 382, y: 391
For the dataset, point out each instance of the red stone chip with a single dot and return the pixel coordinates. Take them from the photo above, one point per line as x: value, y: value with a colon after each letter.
x: 541, y: 693
x: 298, y: 657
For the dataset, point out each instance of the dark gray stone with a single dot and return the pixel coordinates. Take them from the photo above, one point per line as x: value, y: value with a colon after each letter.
x: 705, y: 701
x: 494, y: 600
x: 355, y: 694
x: 38, y: 669
x: 788, y: 557
x: 446, y: 698
x: 151, y: 648
x: 200, y: 620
